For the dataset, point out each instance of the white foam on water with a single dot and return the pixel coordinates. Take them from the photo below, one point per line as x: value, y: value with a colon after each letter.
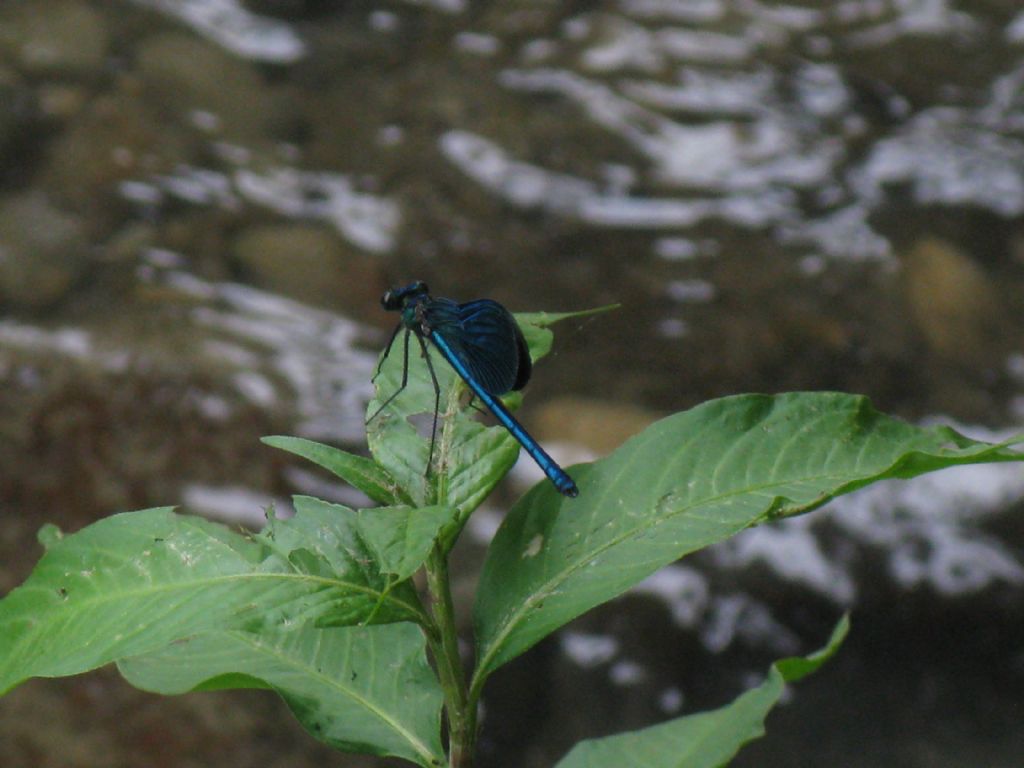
x: 793, y: 552
x: 527, y: 186
x: 684, y: 590
x: 588, y: 650
x: 230, y: 25
x: 368, y: 221
x: 948, y: 157
x: 910, y: 18
x: 843, y: 234
x: 675, y: 10
x: 740, y: 617
x: 521, y: 184
x: 476, y: 43
x: 700, y: 91
x: 1015, y: 29
x: 445, y: 6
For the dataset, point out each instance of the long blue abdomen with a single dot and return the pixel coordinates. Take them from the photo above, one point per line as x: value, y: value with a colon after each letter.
x: 475, y: 371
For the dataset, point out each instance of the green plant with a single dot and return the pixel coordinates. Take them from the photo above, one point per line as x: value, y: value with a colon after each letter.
x: 322, y: 607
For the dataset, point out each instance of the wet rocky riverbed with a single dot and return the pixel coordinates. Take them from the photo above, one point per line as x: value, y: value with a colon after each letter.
x: 201, y: 202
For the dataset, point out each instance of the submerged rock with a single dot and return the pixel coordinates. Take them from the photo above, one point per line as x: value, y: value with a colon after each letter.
x: 18, y: 115
x: 116, y: 138
x: 306, y: 262
x: 953, y: 302
x: 55, y: 38
x: 43, y: 251
x: 193, y: 79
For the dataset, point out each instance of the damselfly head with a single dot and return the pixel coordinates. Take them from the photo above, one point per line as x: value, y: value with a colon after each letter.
x: 396, y: 298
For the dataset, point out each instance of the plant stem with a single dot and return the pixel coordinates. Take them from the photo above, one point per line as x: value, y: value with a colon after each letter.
x: 461, y: 721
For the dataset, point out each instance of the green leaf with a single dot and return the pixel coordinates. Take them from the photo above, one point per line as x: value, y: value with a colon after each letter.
x: 134, y: 582
x: 547, y: 319
x: 358, y: 689
x: 708, y: 739
x: 324, y: 539
x: 400, y: 538
x: 469, y: 458
x: 686, y: 482
x: 534, y: 326
x: 358, y: 471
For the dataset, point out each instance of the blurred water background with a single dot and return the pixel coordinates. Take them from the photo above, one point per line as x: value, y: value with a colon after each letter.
x: 201, y: 202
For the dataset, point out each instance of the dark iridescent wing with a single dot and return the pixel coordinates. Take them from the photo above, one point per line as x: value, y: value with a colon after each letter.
x: 487, y: 339
x: 525, y: 364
